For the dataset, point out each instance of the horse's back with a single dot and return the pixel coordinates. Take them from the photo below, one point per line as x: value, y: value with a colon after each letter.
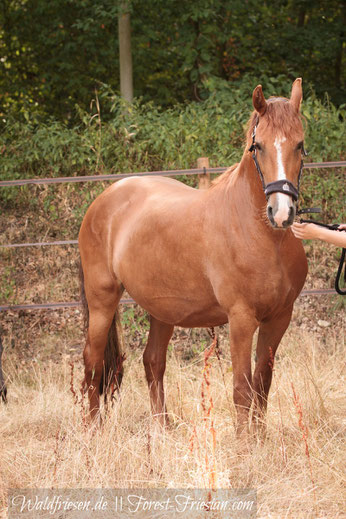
x: 138, y: 202
x: 130, y: 196
x: 133, y: 194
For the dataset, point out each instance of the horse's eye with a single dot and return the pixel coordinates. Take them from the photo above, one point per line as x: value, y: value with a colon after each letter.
x: 258, y: 146
x: 300, y: 146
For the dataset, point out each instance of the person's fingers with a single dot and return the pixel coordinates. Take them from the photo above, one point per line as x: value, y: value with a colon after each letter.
x: 297, y: 225
x: 297, y: 231
x: 305, y: 231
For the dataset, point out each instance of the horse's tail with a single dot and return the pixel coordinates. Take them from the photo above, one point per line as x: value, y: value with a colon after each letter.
x: 113, y: 369
x: 3, y: 389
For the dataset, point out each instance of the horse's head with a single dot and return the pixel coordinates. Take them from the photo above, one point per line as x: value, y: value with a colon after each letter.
x: 276, y: 140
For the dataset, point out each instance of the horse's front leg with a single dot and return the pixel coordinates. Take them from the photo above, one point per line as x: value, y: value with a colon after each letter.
x: 243, y: 325
x: 269, y: 337
x: 154, y: 360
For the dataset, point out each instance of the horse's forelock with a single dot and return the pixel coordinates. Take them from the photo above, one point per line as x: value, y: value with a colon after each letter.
x: 280, y: 115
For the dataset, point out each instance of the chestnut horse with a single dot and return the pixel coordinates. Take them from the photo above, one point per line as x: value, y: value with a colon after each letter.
x: 201, y: 258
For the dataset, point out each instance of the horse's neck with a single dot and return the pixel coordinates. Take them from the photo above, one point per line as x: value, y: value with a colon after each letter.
x: 247, y: 186
x: 240, y: 202
x: 243, y: 190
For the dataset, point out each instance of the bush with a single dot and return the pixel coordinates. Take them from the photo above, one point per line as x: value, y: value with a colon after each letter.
x: 116, y: 137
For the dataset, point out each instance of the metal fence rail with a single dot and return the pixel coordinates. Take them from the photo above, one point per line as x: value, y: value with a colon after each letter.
x: 125, y: 301
x: 115, y: 176
x: 39, y: 244
x: 167, y: 173
x: 52, y: 306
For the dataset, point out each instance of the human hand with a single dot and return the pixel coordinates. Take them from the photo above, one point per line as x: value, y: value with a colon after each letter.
x: 306, y: 231
x: 342, y: 227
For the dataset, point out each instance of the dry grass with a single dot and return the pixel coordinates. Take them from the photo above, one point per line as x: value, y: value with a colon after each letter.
x: 44, y: 441
x: 298, y: 471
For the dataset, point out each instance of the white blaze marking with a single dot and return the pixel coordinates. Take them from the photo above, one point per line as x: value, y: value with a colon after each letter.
x: 281, y: 170
x: 282, y: 199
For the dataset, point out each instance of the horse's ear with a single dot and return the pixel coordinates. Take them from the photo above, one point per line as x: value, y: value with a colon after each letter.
x: 258, y: 100
x: 297, y: 94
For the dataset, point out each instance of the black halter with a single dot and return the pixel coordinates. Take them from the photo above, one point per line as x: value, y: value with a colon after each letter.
x: 279, y: 186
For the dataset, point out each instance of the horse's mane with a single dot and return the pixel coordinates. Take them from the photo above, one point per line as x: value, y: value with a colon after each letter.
x: 224, y: 176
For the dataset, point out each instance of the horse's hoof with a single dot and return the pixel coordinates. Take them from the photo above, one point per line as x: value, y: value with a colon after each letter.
x: 3, y: 394
x: 93, y: 423
x: 162, y: 420
x: 258, y: 431
x: 84, y: 387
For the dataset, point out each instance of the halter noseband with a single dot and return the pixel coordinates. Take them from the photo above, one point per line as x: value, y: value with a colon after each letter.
x: 279, y: 186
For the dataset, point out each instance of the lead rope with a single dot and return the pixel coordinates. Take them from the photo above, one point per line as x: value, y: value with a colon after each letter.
x: 338, y: 274
x: 332, y: 227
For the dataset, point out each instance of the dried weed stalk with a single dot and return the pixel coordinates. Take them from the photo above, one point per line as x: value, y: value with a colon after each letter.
x: 305, y: 433
x: 208, y: 407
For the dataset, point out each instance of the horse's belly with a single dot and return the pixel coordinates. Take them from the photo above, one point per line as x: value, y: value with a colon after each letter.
x: 173, y: 293
x: 182, y: 310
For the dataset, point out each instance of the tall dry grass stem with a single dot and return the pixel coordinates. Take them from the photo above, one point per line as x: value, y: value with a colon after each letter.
x: 281, y: 424
x: 305, y: 433
x: 208, y: 408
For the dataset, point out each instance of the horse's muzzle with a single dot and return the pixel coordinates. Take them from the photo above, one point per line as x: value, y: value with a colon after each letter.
x: 281, y: 211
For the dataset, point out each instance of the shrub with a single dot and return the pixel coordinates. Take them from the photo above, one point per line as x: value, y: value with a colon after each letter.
x: 115, y: 137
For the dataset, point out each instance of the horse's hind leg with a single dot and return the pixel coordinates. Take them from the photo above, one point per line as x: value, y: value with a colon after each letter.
x: 269, y: 337
x: 154, y: 359
x: 102, y: 304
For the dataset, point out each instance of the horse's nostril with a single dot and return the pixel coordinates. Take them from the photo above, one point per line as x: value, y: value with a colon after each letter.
x: 291, y: 215
x: 270, y: 213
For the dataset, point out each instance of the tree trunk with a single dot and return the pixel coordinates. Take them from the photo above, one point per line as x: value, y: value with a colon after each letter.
x: 124, y: 31
x: 301, y: 17
x: 339, y: 54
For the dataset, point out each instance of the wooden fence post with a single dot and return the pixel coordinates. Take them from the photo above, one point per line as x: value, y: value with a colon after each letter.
x: 203, y: 178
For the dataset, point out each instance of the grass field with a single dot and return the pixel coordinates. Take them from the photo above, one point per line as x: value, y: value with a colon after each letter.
x: 298, y: 471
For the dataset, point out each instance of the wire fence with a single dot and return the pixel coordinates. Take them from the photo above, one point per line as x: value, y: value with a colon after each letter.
x: 114, y: 177
x: 167, y: 173
x: 124, y: 301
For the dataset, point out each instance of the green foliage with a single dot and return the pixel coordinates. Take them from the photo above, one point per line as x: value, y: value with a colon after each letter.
x: 8, y: 285
x: 136, y: 322
x: 325, y: 134
x: 115, y: 137
x: 54, y: 53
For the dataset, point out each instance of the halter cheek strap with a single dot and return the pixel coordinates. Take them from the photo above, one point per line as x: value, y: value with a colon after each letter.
x: 279, y: 186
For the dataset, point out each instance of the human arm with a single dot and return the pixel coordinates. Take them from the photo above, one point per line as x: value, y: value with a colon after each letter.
x: 310, y: 231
